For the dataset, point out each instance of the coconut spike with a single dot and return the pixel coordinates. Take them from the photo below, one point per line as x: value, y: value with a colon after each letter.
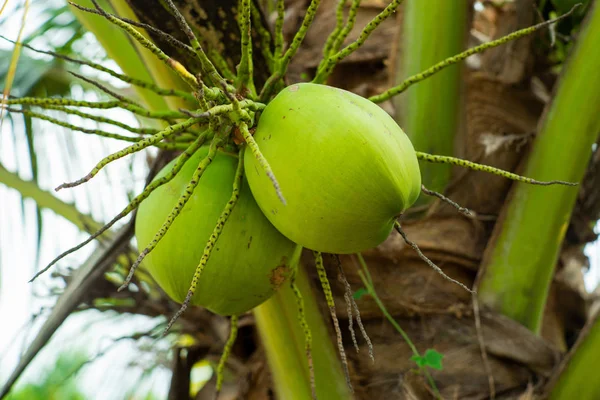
x: 72, y: 127
x: 245, y: 69
x: 226, y: 352
x: 463, y: 210
x: 261, y: 160
x: 284, y: 61
x: 333, y: 36
x: 347, y: 27
x: 330, y: 303
x: 486, y: 168
x: 163, y: 35
x: 105, y: 89
x: 427, y: 260
x: 327, y: 67
x: 344, y: 280
x: 142, y: 144
x: 103, y: 120
x: 264, y: 34
x: 127, y: 79
x: 396, y: 90
x: 306, y: 329
x: 183, y: 73
x: 278, y: 52
x: 50, y: 102
x: 207, y: 66
x: 134, y: 203
x: 212, y: 241
x: 189, y: 190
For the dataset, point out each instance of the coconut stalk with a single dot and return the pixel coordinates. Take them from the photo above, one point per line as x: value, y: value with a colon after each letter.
x: 132, y: 58
x: 578, y: 378
x: 519, y: 261
x: 283, y: 340
x: 430, y: 111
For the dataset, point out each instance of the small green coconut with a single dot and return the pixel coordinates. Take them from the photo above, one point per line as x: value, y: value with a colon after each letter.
x: 251, y: 258
x: 345, y: 169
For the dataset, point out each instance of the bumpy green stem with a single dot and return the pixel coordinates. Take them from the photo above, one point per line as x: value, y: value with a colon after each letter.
x: 245, y: 77
x: 261, y: 159
x: 72, y: 127
x: 183, y: 199
x: 183, y: 73
x: 127, y: 79
x: 348, y: 27
x: 226, y: 352
x: 212, y: 241
x: 339, y: 24
x: 329, y: 299
x: 212, y: 75
x: 265, y: 37
x: 135, y: 202
x: 104, y: 89
x: 104, y: 120
x: 142, y: 144
x: 100, y: 105
x: 278, y: 52
x: 311, y: 12
x: 486, y: 168
x: 324, y: 72
x: 305, y: 329
x: 388, y: 94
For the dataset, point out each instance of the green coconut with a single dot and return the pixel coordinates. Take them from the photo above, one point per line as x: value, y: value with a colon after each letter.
x: 345, y: 169
x: 251, y: 258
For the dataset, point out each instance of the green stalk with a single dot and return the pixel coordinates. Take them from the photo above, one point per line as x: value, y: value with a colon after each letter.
x: 430, y: 111
x: 283, y: 340
x: 578, y: 377
x: 44, y: 199
x: 519, y: 262
x: 132, y: 58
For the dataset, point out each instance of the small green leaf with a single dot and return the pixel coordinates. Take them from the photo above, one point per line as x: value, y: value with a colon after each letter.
x: 431, y: 359
x: 360, y: 293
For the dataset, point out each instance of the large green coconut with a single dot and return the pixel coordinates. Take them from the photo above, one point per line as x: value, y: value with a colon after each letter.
x: 345, y: 168
x: 251, y: 258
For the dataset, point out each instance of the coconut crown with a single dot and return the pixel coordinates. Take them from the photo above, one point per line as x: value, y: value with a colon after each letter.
x: 345, y: 168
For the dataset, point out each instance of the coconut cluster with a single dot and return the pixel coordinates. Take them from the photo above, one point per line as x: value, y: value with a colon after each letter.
x: 345, y: 169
